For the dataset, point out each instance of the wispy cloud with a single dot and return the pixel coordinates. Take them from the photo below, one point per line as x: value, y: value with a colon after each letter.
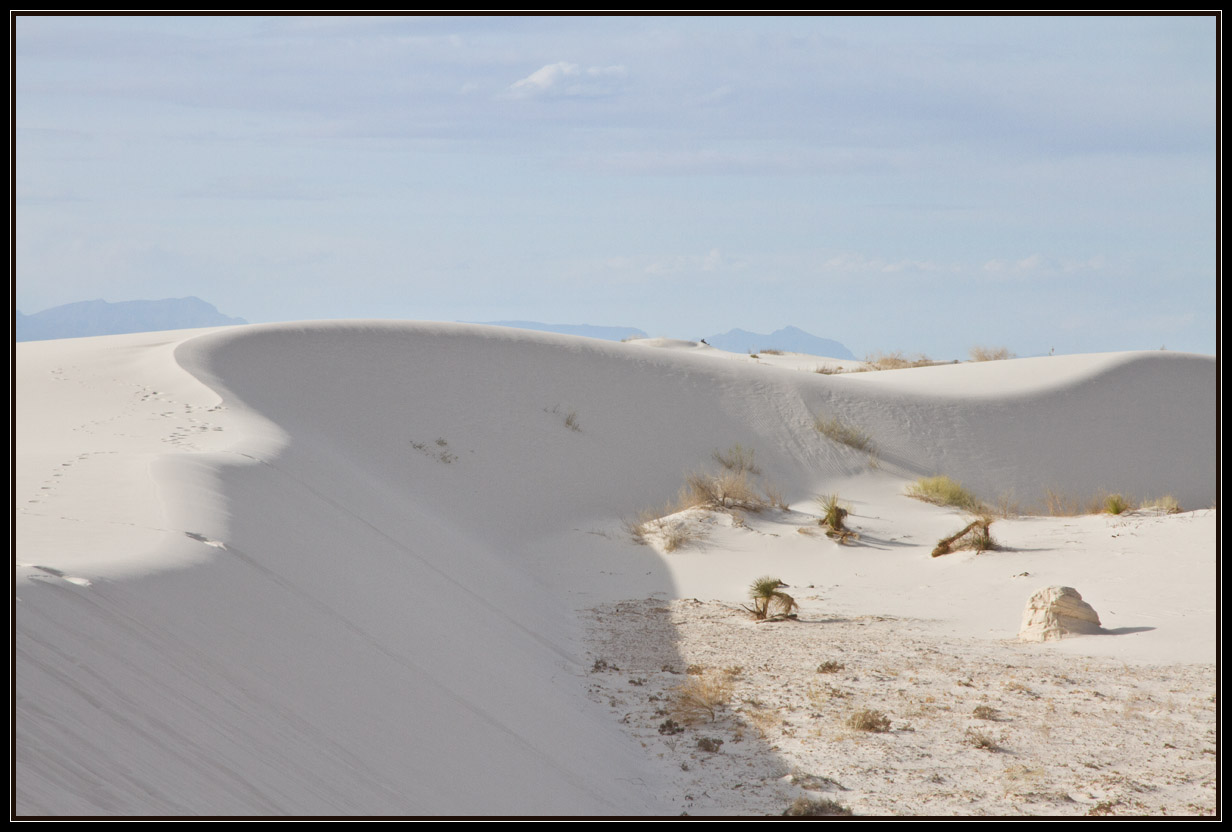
x: 566, y: 79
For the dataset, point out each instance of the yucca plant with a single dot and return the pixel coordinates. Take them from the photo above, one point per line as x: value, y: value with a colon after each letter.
x: 767, y: 596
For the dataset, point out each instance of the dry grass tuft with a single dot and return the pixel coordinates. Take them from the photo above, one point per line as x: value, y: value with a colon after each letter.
x: 729, y: 489
x: 1116, y: 504
x: 700, y: 699
x: 1166, y: 504
x: 829, y: 666
x: 772, y: 352
x: 869, y: 720
x: 984, y: 712
x: 843, y: 432
x: 1064, y: 505
x: 944, y: 491
x: 990, y: 353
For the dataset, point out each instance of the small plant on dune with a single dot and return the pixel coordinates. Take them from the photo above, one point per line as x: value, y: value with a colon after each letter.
x: 1063, y: 505
x: 833, y: 517
x: 1116, y: 504
x: 869, y: 720
x: 984, y: 712
x: 829, y: 666
x: 816, y: 807
x: 944, y: 491
x: 894, y: 361
x: 772, y: 352
x: 975, y: 536
x: 722, y: 491
x: 769, y: 601
x: 737, y: 458
x: 700, y: 699
x: 1167, y: 504
x: 980, y: 740
x: 571, y: 421
x: 843, y: 432
x: 990, y: 353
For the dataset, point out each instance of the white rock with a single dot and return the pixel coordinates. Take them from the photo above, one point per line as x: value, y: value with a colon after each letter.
x: 1055, y: 612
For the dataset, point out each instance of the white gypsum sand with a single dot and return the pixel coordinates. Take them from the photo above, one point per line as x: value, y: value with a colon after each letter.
x: 350, y: 567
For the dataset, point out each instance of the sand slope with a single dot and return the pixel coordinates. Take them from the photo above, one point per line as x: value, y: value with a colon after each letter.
x: 334, y: 567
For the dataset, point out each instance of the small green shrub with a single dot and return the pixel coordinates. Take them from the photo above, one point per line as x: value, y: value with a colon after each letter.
x: 944, y: 491
x: 767, y: 596
x: 1116, y: 504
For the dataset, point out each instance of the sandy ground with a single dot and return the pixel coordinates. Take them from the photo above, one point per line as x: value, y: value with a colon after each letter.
x: 1065, y: 734
x: 382, y: 568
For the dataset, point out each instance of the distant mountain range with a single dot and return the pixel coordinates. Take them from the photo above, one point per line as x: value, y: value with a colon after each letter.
x: 98, y: 317
x: 788, y: 339
x: 607, y: 333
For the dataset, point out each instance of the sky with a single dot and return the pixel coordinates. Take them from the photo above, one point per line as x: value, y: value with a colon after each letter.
x: 897, y: 184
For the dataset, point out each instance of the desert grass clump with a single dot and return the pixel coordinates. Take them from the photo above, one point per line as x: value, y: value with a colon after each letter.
x: 1116, y: 504
x: 979, y: 353
x: 729, y: 489
x: 816, y: 807
x: 772, y: 352
x: 1167, y: 504
x: 769, y: 601
x: 1064, y: 505
x: 829, y: 666
x: 701, y: 699
x: 984, y: 712
x: 737, y: 459
x: 974, y: 536
x: 843, y: 432
x: 571, y: 421
x: 944, y: 491
x: 869, y: 720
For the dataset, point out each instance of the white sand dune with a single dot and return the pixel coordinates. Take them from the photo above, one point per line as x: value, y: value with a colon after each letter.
x: 339, y: 567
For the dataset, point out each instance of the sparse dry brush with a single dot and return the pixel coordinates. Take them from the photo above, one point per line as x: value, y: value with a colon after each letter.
x: 833, y: 517
x: 979, y: 353
x: 816, y: 807
x: 894, y: 361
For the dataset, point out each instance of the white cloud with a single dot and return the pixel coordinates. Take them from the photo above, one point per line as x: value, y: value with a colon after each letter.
x: 566, y: 79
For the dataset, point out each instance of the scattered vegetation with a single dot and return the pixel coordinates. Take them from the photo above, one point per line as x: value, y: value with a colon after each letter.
x: 869, y: 720
x: 815, y: 807
x: 829, y: 371
x: 444, y: 455
x: 1062, y: 505
x: 710, y: 745
x: 990, y: 353
x: 729, y: 489
x: 974, y: 536
x: 944, y: 491
x: 984, y: 712
x: 894, y: 361
x: 768, y: 597
x: 700, y: 699
x: 829, y: 666
x: 571, y: 421
x: 1116, y: 504
x: 843, y: 432
x: 773, y: 352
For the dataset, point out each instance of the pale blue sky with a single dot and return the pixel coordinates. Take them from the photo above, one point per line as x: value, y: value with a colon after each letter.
x: 892, y: 183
